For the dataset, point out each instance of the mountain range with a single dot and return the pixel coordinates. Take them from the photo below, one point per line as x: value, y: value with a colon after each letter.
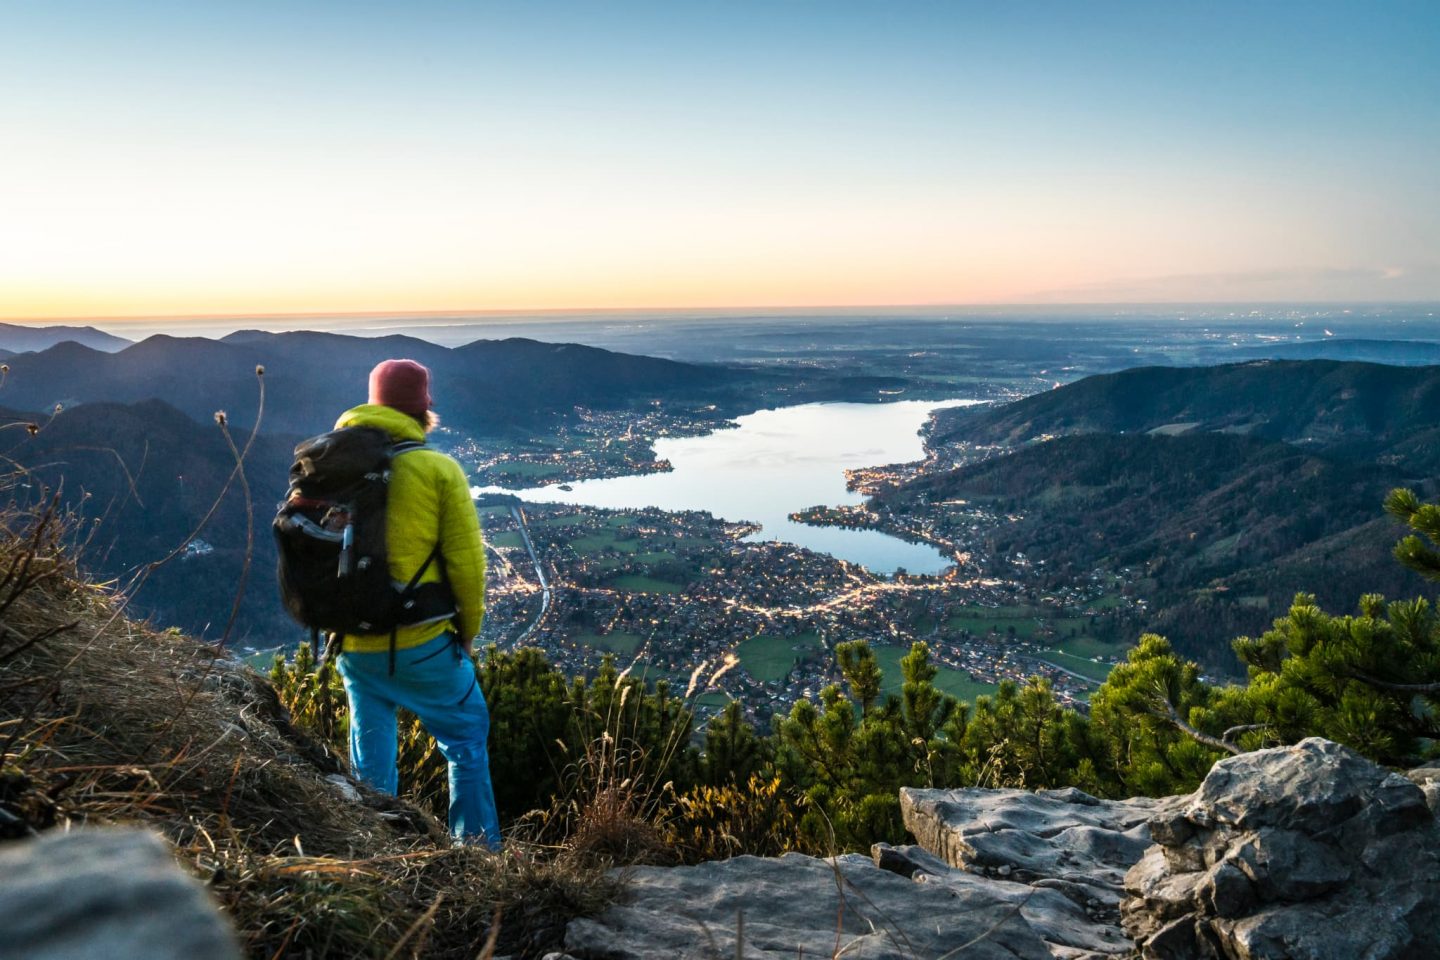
x: 19, y: 338
x: 485, y: 388
x: 1225, y: 489
x: 131, y: 441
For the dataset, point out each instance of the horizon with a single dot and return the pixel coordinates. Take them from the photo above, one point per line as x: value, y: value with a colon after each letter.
x: 177, y: 160
x: 616, y: 329
x: 1033, y: 310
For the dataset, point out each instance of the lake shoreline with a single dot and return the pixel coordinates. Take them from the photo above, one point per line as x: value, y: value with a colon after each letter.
x: 774, y: 462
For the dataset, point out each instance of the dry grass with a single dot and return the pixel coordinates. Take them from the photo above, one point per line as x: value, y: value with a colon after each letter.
x: 105, y: 720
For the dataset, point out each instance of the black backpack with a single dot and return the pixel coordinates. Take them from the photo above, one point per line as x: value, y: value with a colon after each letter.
x: 330, y: 530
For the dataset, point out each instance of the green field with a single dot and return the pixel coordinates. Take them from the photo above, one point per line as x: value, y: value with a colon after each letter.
x: 509, y: 538
x: 957, y: 683
x: 1027, y: 621
x: 605, y: 540
x: 771, y: 658
x: 983, y: 620
x: 638, y: 584
x: 1090, y: 647
x: 560, y: 520
x: 1108, y: 602
x: 715, y: 700
x: 1095, y: 670
x: 624, y: 644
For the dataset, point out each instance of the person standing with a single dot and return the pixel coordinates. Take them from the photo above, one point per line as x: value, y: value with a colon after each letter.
x: 433, y: 531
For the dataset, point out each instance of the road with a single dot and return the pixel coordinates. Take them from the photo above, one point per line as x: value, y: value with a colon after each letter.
x: 524, y: 528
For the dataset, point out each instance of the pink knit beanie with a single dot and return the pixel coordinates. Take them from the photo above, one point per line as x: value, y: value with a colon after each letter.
x: 402, y: 384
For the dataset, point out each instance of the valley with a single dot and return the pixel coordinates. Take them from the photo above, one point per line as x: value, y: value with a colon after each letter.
x: 1062, y: 523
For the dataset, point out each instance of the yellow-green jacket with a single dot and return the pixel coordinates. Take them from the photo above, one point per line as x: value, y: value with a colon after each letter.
x: 429, y: 500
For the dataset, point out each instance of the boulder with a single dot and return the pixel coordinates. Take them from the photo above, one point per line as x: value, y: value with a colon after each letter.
x: 1056, y: 834
x: 795, y: 906
x: 112, y: 894
x: 1062, y: 854
x: 1305, y: 851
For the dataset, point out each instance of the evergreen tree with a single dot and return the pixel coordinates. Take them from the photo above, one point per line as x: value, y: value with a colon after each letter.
x: 733, y: 751
x: 1371, y: 682
x: 1418, y: 551
x: 1140, y: 715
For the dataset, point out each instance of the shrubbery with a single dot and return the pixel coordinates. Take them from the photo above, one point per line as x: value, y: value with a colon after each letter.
x: 609, y: 763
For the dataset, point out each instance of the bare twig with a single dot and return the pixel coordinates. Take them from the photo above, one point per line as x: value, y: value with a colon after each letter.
x: 1173, y: 715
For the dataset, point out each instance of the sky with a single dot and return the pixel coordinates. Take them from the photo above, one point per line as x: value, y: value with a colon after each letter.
x: 217, y: 158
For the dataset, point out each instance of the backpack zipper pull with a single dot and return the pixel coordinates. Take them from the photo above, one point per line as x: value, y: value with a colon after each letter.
x: 347, y: 543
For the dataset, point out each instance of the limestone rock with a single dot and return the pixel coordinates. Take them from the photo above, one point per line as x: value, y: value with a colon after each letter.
x: 1061, y: 834
x: 1063, y: 851
x: 1427, y: 778
x: 1305, y: 851
x: 107, y: 895
x: 795, y: 905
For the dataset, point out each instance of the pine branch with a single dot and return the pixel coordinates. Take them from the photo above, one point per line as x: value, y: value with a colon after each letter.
x: 1395, y: 687
x: 1173, y: 715
x: 1229, y: 735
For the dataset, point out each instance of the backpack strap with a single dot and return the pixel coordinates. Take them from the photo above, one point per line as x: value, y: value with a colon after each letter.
x: 406, y: 446
x: 408, y: 592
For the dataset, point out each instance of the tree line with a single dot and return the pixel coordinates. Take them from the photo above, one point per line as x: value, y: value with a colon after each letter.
x: 618, y: 757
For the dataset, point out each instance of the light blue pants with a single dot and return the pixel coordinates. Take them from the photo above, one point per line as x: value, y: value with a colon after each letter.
x: 436, y: 682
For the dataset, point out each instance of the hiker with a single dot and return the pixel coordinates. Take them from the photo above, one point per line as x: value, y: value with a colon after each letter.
x: 432, y: 537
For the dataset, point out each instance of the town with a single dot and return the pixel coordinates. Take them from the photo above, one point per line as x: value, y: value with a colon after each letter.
x: 719, y: 614
x: 598, y: 443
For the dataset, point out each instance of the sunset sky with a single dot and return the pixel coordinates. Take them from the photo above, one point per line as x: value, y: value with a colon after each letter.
x: 229, y: 158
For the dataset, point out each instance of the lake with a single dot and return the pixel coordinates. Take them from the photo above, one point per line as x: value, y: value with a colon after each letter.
x: 776, y: 462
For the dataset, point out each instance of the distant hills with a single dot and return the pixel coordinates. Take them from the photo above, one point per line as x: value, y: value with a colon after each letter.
x: 135, y: 445
x: 1399, y: 352
x: 18, y: 338
x: 1227, y: 489
x: 1365, y: 406
x: 138, y: 478
x: 489, y: 387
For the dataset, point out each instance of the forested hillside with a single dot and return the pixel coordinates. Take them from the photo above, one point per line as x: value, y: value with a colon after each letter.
x: 1225, y: 490
x: 1362, y: 409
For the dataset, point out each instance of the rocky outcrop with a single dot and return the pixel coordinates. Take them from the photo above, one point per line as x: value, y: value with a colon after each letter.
x: 1064, y: 835
x: 799, y: 906
x: 1067, y: 916
x: 1011, y: 873
x: 1308, y: 851
x: 105, y: 895
x: 1063, y: 851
